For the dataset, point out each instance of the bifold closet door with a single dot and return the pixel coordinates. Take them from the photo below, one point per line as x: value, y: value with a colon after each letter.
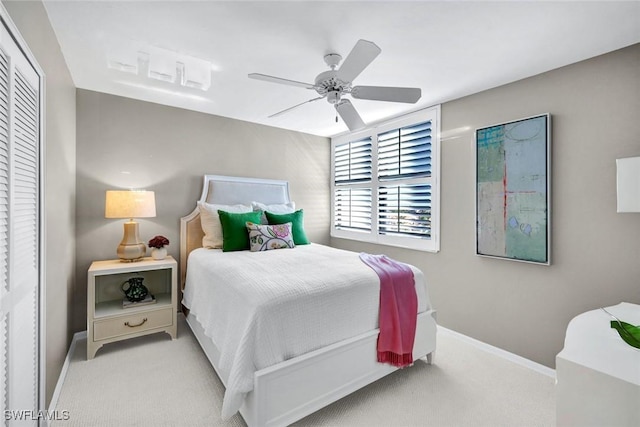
x: 19, y: 233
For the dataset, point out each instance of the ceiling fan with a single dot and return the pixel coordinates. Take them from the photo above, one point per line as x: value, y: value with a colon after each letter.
x: 336, y: 83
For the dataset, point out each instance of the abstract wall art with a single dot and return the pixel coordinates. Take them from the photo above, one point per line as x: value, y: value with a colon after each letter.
x: 513, y: 190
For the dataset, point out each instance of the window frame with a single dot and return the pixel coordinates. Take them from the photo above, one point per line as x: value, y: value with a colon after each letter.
x: 428, y: 245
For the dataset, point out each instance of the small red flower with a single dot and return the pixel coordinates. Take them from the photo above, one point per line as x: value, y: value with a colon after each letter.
x: 158, y: 242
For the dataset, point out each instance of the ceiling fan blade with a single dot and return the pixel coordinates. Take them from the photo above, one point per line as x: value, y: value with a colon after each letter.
x: 272, y: 79
x: 349, y: 115
x: 409, y: 95
x: 362, y: 54
x: 295, y: 106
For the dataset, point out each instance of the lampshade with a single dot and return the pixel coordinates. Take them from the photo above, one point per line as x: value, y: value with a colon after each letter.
x: 628, y: 183
x: 130, y: 204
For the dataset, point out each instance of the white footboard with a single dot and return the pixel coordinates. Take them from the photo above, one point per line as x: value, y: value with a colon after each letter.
x: 291, y: 390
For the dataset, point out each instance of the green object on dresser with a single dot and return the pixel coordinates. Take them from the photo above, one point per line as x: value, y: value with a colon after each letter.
x: 629, y: 333
x: 134, y: 290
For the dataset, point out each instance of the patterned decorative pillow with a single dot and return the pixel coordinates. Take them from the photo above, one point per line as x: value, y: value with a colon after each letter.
x: 268, y: 237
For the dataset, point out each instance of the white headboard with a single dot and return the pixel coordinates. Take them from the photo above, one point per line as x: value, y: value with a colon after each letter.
x: 226, y: 190
x: 230, y: 190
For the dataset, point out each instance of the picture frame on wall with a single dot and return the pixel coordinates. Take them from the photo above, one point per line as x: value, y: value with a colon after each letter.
x: 513, y: 190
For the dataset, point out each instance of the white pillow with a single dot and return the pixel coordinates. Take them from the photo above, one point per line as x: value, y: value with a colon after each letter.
x: 283, y: 208
x: 210, y: 221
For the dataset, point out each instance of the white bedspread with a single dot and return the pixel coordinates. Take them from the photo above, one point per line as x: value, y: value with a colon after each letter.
x: 261, y: 308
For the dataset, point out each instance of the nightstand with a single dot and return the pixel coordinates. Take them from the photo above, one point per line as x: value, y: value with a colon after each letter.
x: 108, y: 321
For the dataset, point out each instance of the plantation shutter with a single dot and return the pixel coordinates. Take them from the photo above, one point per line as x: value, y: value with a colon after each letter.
x: 19, y: 233
x: 353, y: 209
x: 352, y: 203
x: 353, y: 162
x: 386, y: 182
x: 404, y: 154
x: 405, y: 210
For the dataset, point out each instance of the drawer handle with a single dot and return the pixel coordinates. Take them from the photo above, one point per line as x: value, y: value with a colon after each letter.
x: 135, y: 326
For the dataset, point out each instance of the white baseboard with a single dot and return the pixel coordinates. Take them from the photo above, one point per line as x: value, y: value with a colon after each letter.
x: 500, y: 352
x: 65, y: 367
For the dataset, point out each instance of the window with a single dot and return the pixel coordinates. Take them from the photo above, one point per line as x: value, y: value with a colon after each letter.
x: 386, y: 183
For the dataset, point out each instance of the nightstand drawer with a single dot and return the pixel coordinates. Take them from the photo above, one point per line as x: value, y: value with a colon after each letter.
x: 138, y: 322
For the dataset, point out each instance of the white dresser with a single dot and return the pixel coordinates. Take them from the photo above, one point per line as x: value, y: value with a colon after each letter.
x: 598, y: 374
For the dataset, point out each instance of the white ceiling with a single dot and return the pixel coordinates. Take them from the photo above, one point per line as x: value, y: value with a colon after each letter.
x: 449, y: 49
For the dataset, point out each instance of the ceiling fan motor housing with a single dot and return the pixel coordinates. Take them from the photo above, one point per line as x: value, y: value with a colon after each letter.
x: 328, y: 83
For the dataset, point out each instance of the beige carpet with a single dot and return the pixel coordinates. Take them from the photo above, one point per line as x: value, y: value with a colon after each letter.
x: 153, y: 381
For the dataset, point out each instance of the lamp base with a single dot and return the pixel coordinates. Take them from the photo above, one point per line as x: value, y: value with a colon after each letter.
x: 131, y: 249
x: 131, y: 253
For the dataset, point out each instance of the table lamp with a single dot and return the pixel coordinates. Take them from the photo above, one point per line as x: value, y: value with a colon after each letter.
x: 130, y: 204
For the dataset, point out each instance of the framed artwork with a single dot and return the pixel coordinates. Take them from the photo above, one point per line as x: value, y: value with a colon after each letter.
x: 513, y: 190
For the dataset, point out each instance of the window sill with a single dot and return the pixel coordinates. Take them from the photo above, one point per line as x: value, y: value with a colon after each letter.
x: 396, y: 242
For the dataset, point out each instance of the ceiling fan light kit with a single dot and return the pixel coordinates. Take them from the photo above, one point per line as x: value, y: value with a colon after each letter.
x: 337, y: 82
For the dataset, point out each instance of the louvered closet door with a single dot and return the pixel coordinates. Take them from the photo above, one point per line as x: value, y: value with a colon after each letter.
x: 19, y: 233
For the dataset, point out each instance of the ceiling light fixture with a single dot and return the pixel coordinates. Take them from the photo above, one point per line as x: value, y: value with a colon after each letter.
x: 120, y: 60
x: 196, y: 73
x: 161, y: 64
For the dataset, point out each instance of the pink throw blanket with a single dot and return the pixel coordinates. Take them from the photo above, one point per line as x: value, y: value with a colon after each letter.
x: 398, y: 309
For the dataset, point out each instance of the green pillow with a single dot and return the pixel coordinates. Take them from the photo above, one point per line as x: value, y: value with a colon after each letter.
x: 297, y: 228
x: 234, y: 229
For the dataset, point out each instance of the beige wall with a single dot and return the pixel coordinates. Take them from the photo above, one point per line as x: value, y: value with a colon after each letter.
x: 59, y: 180
x: 524, y: 308
x: 123, y: 143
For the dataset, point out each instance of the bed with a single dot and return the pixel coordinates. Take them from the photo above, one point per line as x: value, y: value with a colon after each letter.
x: 273, y: 375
